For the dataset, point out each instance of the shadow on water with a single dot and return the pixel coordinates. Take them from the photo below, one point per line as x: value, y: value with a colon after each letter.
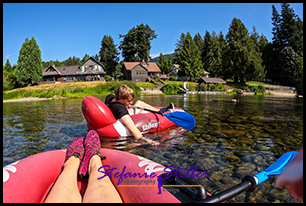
x: 234, y: 136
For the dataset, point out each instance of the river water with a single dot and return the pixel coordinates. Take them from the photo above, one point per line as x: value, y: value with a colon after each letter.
x: 231, y: 139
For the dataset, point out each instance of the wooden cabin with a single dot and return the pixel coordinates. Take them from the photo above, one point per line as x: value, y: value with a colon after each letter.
x: 140, y: 71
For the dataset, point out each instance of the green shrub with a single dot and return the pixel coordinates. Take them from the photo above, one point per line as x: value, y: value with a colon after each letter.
x: 202, y: 87
x: 153, y: 81
x: 162, y: 81
x: 211, y: 87
x: 172, y: 78
x: 8, y: 80
x: 261, y: 89
x: 247, y: 89
x: 170, y: 89
x: 107, y: 77
x: 64, y: 92
x: 236, y: 90
x: 257, y: 89
x: 220, y: 87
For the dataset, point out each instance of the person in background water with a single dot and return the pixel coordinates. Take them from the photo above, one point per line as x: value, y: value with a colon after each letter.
x: 119, y: 105
x: 292, y: 177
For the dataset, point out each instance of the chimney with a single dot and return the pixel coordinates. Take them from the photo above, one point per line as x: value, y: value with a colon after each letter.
x: 143, y: 60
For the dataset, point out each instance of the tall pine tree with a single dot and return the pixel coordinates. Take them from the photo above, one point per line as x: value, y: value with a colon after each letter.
x: 163, y: 64
x: 136, y: 44
x: 109, y: 55
x: 7, y: 67
x: 244, y: 59
x: 288, y: 45
x: 189, y: 58
x: 29, y: 65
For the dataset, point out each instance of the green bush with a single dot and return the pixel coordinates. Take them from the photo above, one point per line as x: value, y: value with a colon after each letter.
x: 64, y: 92
x: 172, y: 78
x: 220, y: 87
x: 236, y: 90
x: 257, y: 89
x: 211, y: 87
x: 202, y: 87
x: 170, y: 89
x: 107, y: 77
x: 8, y: 80
x: 153, y: 81
x: 261, y: 89
x: 162, y: 81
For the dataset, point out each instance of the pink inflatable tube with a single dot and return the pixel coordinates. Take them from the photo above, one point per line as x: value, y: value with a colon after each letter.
x: 30, y: 179
x: 100, y: 118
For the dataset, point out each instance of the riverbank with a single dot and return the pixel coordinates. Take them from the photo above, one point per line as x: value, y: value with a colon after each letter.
x: 82, y: 89
x: 25, y: 99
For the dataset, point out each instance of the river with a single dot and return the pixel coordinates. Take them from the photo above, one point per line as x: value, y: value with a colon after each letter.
x: 231, y: 139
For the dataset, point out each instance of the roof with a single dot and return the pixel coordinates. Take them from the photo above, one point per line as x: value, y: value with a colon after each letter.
x: 176, y: 65
x: 151, y: 66
x: 67, y: 70
x: 93, y: 59
x: 207, y: 80
x: 71, y: 70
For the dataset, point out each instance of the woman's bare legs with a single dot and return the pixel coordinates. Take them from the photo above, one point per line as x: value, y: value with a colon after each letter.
x: 142, y: 104
x: 102, y: 190
x: 65, y: 188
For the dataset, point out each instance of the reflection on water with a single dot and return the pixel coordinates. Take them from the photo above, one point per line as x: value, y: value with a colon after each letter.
x: 231, y: 138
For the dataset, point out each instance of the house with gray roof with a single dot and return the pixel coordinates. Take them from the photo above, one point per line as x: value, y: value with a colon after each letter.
x: 90, y: 70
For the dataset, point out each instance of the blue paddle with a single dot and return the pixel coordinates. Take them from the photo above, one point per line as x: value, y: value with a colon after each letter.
x: 249, y: 183
x: 180, y: 118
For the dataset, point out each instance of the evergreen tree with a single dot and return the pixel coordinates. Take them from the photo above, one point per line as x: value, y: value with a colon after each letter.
x: 128, y: 46
x: 244, y: 59
x: 109, y: 55
x: 36, y: 71
x: 223, y: 48
x: 170, y: 63
x: 207, y: 54
x: 189, y: 58
x: 288, y: 63
x: 119, y: 69
x: 199, y: 41
x: 144, y: 37
x: 136, y: 44
x: 216, y: 66
x: 86, y: 56
x: 163, y: 63
x: 288, y: 27
x: 22, y: 74
x: 7, y: 67
x: 263, y: 45
x: 178, y: 47
x: 287, y: 40
x: 8, y: 80
x: 29, y: 68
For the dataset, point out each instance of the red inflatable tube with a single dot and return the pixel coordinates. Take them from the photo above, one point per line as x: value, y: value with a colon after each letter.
x: 30, y: 179
x: 101, y: 119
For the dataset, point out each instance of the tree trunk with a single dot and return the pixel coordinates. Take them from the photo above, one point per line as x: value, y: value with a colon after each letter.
x: 235, y: 79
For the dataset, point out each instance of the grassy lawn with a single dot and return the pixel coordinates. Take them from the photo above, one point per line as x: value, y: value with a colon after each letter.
x: 79, y: 89
x: 59, y: 86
